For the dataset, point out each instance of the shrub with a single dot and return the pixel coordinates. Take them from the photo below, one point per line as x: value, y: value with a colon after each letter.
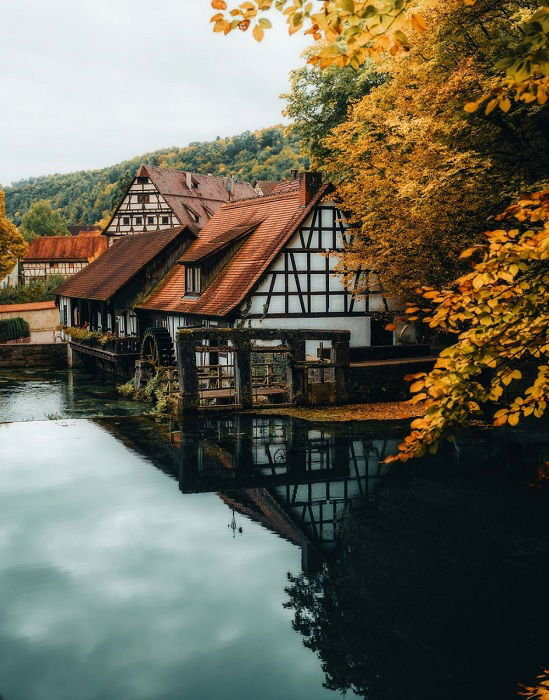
x: 40, y: 290
x: 13, y: 329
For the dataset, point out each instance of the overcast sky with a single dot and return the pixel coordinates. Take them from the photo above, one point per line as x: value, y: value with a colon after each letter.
x: 87, y: 83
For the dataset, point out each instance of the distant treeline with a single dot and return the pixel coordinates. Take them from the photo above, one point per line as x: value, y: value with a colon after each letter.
x: 85, y: 197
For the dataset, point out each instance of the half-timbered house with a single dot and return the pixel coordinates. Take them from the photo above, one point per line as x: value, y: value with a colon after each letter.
x: 159, y: 199
x: 268, y: 262
x: 102, y: 296
x: 60, y: 255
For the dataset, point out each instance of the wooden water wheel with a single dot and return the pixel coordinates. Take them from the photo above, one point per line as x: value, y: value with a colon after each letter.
x: 157, y: 348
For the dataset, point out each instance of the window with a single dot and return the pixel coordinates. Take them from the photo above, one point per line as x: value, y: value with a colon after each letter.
x: 192, y: 280
x: 165, y: 219
x: 150, y: 220
x: 71, y: 266
x: 126, y: 221
x: 142, y: 180
x: 143, y: 198
x: 138, y: 220
x: 193, y: 215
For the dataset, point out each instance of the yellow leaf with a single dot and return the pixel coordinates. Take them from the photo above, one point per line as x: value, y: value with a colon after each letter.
x: 505, y: 104
x: 219, y: 4
x: 471, y: 106
x: 258, y: 33
x: 417, y: 386
x: 491, y: 106
x: 513, y: 419
x: 418, y: 23
x: 391, y: 327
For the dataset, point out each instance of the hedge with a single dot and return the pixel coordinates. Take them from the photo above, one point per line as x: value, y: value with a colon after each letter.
x: 13, y: 329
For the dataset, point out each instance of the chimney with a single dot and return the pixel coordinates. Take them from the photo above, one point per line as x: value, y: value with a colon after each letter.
x: 189, y: 181
x: 309, y: 184
x: 293, y: 174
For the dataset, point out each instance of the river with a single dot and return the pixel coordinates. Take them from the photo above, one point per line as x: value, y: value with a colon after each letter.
x: 260, y: 557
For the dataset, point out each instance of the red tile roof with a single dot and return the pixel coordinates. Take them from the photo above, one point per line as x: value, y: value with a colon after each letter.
x: 266, y: 186
x: 280, y: 215
x: 106, y: 275
x: 199, y: 250
x: 29, y: 306
x: 65, y: 248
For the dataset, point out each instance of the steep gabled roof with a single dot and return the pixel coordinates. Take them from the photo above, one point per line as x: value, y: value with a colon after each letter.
x: 65, y: 248
x: 279, y: 216
x: 203, y: 198
x: 122, y: 261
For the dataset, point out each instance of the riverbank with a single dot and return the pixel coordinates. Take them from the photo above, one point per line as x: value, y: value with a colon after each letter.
x: 380, y: 411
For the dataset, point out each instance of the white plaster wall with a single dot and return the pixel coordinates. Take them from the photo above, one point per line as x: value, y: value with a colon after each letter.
x: 359, y: 326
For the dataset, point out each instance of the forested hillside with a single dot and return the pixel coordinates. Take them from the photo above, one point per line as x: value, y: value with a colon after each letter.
x: 84, y: 197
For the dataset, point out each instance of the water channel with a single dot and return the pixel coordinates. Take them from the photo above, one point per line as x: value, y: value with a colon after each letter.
x: 259, y: 556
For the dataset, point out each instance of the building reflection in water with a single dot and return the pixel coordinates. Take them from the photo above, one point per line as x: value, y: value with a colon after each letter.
x: 293, y: 479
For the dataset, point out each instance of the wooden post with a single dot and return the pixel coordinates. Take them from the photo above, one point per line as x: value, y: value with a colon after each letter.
x: 243, y: 370
x: 340, y: 357
x: 104, y: 323
x: 91, y: 321
x: 296, y: 374
x: 188, y: 376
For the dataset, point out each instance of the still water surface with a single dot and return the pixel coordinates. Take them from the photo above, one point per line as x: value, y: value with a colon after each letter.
x: 143, y: 563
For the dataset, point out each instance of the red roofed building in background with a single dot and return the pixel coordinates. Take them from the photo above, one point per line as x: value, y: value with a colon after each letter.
x: 160, y: 198
x: 60, y: 255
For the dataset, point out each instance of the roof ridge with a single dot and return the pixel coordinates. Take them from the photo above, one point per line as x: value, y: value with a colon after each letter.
x: 262, y: 198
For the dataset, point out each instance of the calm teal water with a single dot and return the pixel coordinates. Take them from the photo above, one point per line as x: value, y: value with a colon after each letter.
x: 41, y: 394
x: 143, y: 563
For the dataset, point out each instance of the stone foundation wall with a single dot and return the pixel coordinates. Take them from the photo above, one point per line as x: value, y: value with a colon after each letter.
x: 34, y: 355
x: 384, y: 381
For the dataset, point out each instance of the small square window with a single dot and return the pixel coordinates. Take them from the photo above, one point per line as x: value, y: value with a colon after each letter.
x: 150, y: 220
x: 142, y: 180
x: 143, y: 198
x: 126, y: 221
x: 165, y: 219
x: 138, y: 220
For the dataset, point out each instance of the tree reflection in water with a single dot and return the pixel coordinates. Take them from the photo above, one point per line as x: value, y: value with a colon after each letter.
x: 438, y: 590
x: 425, y: 581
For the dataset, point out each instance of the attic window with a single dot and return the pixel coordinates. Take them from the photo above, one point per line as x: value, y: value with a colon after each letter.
x: 165, y: 220
x: 194, y: 216
x: 126, y: 220
x: 142, y: 180
x: 138, y: 220
x: 192, y: 280
x: 143, y: 198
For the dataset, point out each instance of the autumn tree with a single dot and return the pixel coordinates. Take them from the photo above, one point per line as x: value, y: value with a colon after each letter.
x: 12, y: 244
x: 421, y: 176
x: 500, y: 314
x: 319, y: 100
x: 42, y: 220
x: 348, y: 32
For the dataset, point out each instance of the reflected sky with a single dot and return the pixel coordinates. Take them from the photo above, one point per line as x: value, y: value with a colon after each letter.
x: 116, y: 585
